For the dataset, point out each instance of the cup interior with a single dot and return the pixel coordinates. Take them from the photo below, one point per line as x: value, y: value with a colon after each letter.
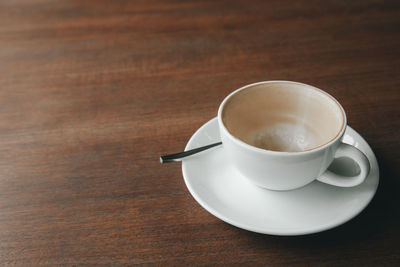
x: 283, y: 116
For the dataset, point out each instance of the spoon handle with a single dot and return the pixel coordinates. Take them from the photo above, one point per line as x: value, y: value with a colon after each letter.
x: 179, y: 156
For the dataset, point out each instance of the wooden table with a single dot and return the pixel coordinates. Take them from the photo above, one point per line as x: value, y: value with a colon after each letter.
x: 93, y: 92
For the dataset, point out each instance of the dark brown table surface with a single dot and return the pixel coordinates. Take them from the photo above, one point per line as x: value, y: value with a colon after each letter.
x: 92, y: 92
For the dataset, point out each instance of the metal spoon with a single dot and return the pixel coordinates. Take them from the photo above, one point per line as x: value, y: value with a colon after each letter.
x: 179, y: 156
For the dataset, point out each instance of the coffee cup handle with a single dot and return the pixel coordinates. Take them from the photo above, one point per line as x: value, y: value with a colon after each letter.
x: 345, y: 150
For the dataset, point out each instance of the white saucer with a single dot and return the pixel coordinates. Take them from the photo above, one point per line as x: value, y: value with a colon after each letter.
x: 222, y: 191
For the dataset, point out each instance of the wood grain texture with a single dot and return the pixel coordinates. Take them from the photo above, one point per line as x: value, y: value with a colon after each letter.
x: 92, y: 92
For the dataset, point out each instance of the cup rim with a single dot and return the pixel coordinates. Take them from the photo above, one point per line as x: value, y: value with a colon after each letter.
x: 272, y: 152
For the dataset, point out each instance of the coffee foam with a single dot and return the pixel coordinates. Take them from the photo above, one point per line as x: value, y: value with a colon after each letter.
x: 283, y: 116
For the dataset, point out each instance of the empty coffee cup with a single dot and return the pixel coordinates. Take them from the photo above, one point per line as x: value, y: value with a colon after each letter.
x: 282, y: 135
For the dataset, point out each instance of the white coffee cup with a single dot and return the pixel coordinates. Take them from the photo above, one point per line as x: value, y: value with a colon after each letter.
x: 282, y: 135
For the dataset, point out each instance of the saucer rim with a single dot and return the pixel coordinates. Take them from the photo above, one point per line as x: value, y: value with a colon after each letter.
x: 286, y: 231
